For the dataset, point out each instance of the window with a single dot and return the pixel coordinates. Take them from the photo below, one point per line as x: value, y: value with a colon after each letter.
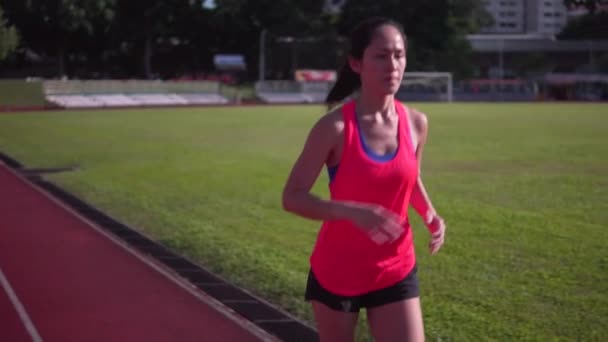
x: 509, y: 14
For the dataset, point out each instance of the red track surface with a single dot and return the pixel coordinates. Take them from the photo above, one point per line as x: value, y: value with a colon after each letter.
x: 12, y: 327
x: 76, y: 284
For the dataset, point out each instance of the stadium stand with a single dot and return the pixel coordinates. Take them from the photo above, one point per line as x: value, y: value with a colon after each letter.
x: 112, y: 93
x: 275, y: 91
x: 74, y: 101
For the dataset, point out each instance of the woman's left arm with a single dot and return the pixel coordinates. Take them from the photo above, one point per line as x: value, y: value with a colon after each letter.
x: 420, y: 199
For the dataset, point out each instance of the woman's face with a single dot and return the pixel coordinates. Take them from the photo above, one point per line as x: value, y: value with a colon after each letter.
x: 383, y: 63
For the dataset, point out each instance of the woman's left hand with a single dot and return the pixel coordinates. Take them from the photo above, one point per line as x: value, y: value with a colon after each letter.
x: 437, y: 227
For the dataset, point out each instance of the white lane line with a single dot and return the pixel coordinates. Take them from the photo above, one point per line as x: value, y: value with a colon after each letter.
x: 25, y: 319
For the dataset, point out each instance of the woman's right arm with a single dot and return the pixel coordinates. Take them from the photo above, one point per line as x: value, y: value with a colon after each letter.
x: 297, y: 199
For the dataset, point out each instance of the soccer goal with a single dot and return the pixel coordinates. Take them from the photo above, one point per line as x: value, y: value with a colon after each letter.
x: 426, y: 86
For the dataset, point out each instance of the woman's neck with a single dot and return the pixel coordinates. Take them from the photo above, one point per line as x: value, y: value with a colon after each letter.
x: 382, y: 106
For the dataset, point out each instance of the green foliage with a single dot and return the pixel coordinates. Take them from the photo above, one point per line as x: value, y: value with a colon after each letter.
x: 60, y: 18
x: 590, y: 5
x: 53, y: 26
x: 436, y: 29
x: 592, y: 26
x: 242, y: 21
x: 9, y: 39
x: 284, y: 17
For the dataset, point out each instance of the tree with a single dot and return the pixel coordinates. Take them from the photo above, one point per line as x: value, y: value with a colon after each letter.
x: 192, y: 40
x: 142, y: 26
x: 592, y: 26
x: 241, y: 22
x: 590, y: 5
x: 436, y: 29
x: 49, y: 26
x: 8, y: 37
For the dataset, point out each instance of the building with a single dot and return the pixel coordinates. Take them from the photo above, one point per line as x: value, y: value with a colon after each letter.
x: 537, y: 17
x: 509, y: 16
x: 523, y: 36
x: 545, y: 17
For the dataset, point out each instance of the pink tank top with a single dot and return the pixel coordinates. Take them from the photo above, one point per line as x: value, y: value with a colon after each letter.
x: 345, y: 260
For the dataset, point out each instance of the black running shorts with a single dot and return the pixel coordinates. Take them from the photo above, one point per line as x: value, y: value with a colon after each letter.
x: 404, y: 289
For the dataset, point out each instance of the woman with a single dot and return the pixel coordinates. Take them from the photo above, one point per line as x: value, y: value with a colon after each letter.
x: 372, y: 148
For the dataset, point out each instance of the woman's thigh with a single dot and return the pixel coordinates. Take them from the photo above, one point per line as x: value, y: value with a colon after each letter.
x: 334, y: 325
x: 397, y: 321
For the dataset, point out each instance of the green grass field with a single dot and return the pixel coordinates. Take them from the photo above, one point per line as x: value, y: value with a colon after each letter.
x: 523, y: 189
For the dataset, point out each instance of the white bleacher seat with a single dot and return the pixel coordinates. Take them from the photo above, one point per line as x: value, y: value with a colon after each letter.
x: 284, y: 97
x: 204, y: 99
x: 115, y: 100
x: 116, y: 93
x: 74, y: 101
x: 155, y: 99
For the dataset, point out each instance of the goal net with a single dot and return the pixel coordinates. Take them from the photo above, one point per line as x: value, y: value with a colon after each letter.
x: 416, y: 86
x: 426, y: 86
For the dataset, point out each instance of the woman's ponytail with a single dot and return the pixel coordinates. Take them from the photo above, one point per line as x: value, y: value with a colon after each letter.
x: 346, y: 83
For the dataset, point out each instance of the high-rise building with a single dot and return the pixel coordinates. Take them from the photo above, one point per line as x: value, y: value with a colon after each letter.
x: 509, y: 16
x: 545, y: 17
x: 536, y: 17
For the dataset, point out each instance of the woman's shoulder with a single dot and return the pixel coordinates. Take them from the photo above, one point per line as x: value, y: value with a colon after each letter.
x: 327, y: 130
x: 418, y: 119
x: 331, y: 122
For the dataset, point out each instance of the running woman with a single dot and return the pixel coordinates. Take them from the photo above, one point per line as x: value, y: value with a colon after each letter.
x: 372, y: 147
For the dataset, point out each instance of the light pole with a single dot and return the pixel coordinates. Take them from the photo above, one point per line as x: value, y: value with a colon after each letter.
x: 501, y: 67
x: 591, y: 61
x: 262, y: 66
x: 501, y: 60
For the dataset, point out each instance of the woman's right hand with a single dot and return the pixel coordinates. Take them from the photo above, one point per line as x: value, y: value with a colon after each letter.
x: 382, y: 225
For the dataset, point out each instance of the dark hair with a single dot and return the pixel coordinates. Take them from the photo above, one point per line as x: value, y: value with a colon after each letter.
x: 348, y: 81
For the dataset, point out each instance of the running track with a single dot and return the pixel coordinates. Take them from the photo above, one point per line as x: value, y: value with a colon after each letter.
x: 64, y: 279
